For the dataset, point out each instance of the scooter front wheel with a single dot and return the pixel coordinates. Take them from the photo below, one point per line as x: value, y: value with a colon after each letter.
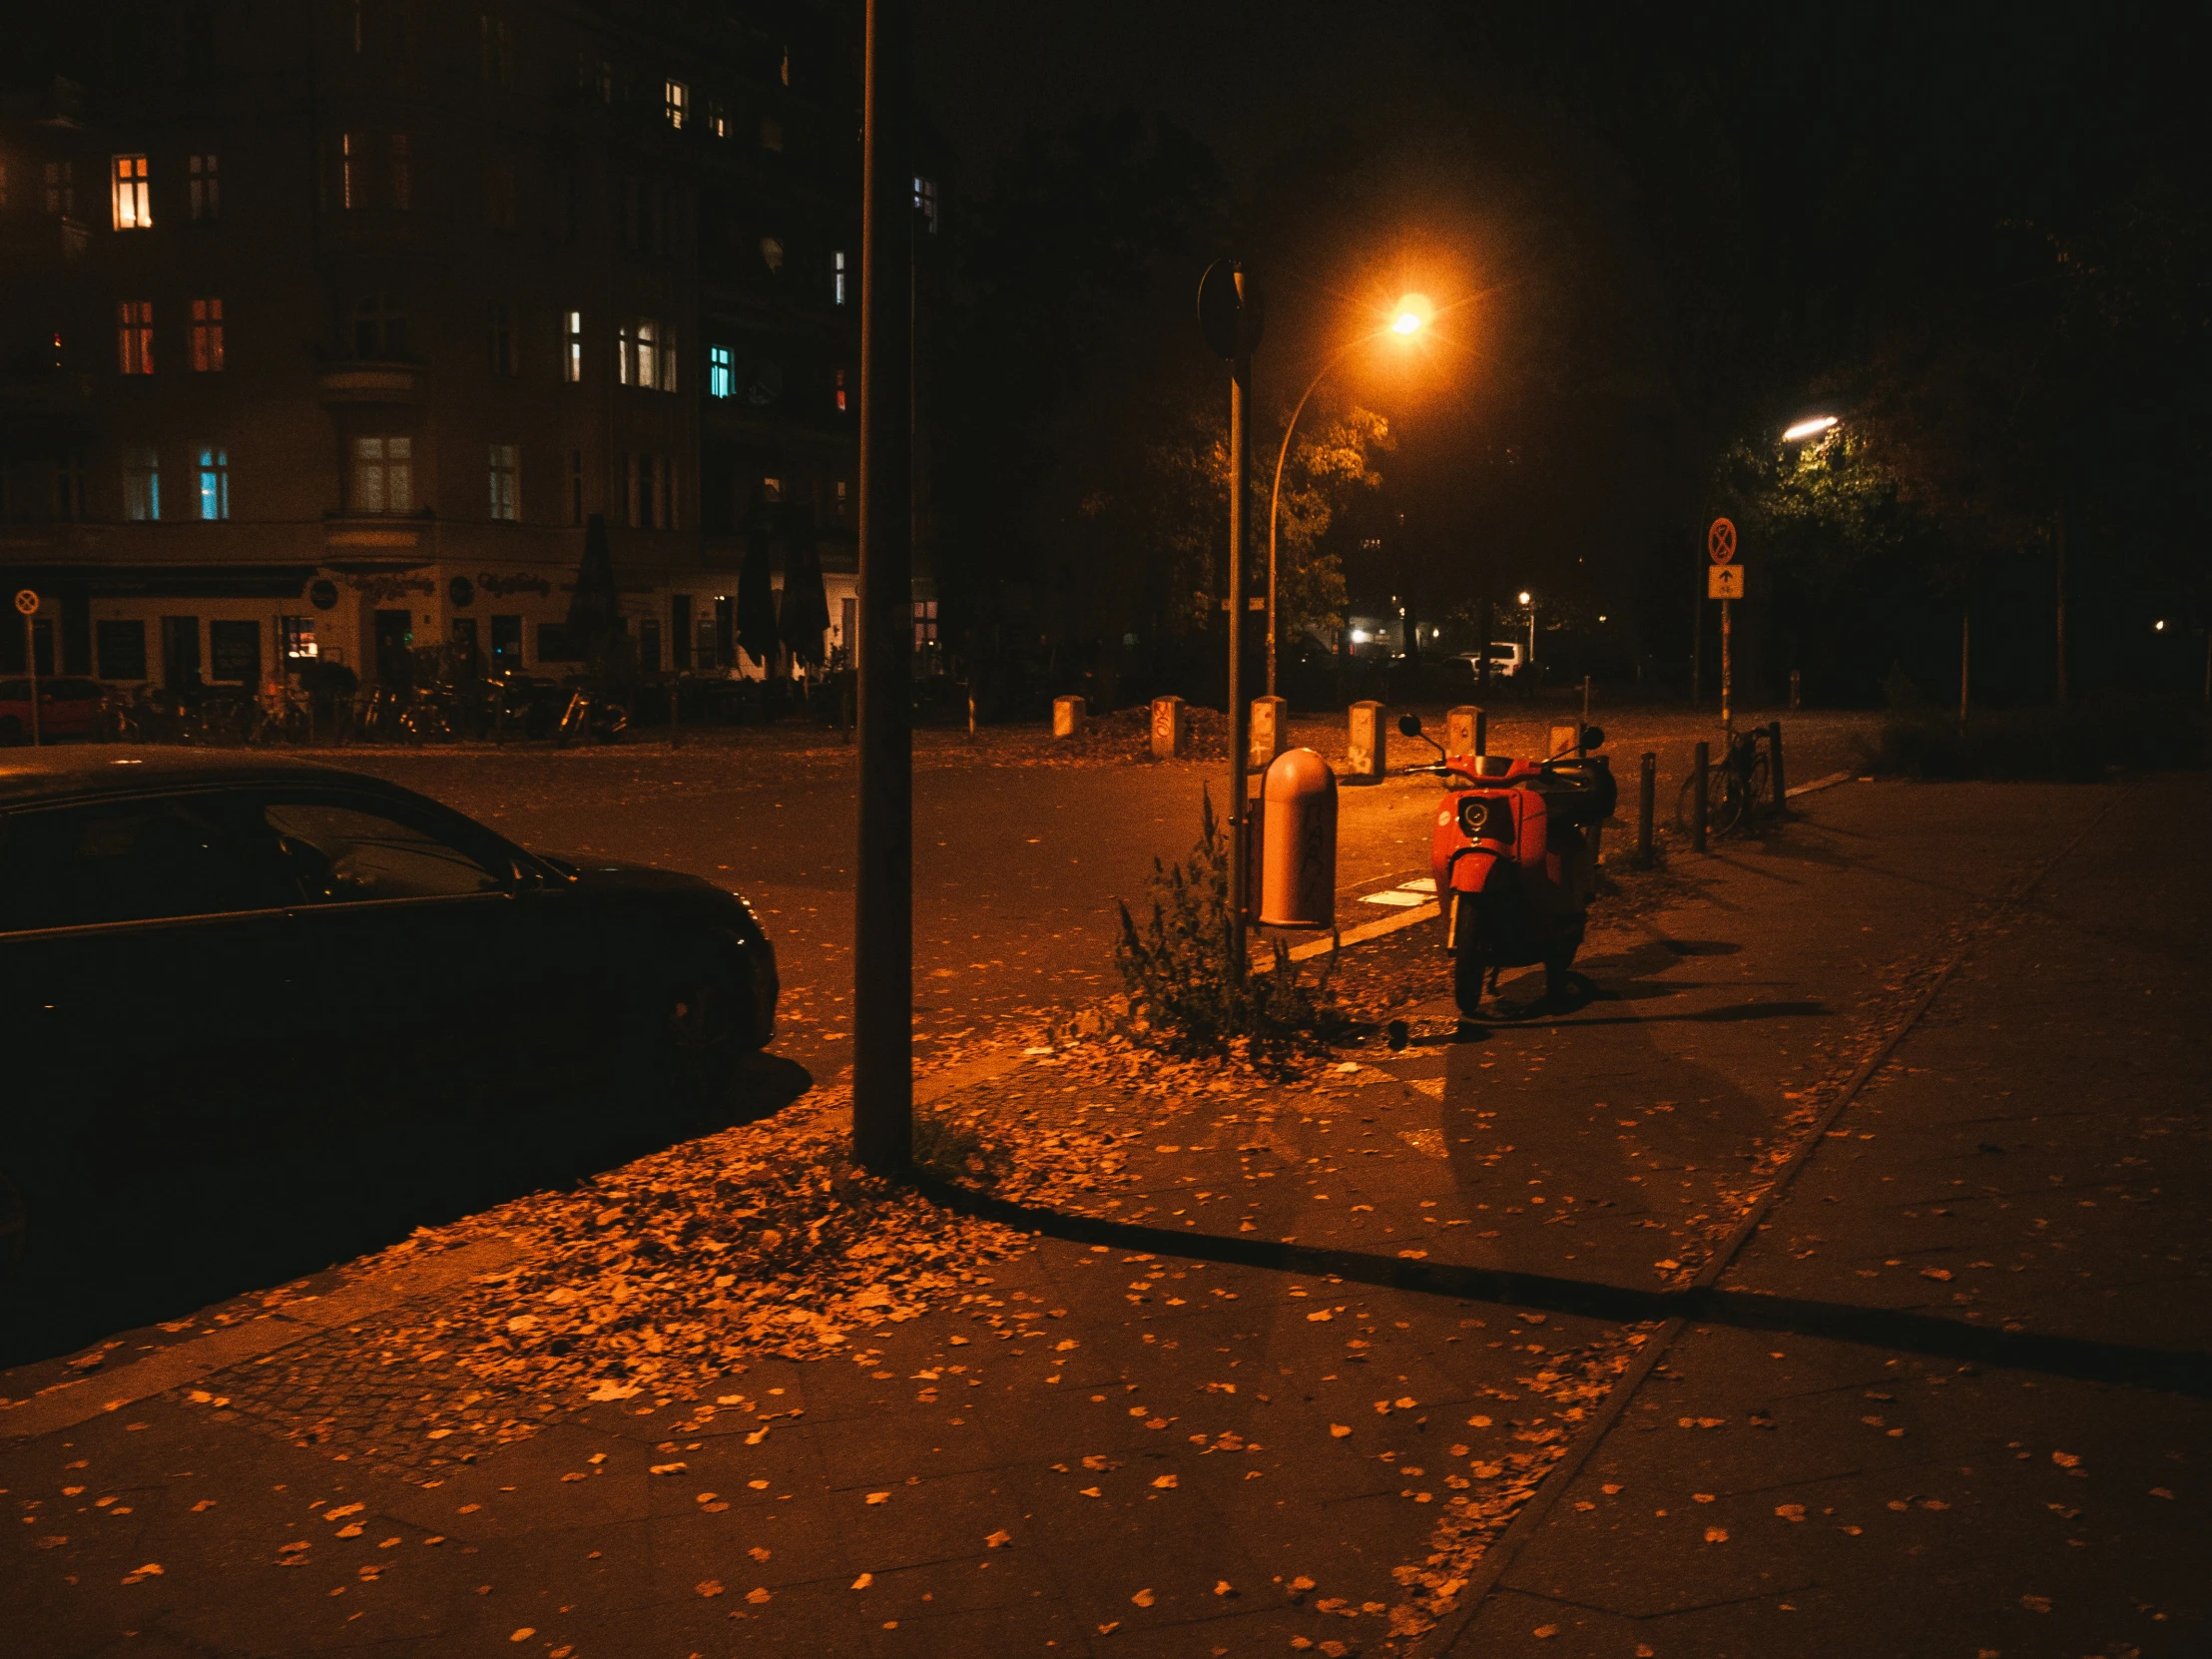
x: 1469, y: 966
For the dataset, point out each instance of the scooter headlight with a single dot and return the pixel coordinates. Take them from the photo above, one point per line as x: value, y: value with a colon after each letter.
x: 1485, y: 817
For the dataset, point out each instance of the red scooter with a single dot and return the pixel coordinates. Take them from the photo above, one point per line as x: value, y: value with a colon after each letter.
x: 1511, y: 857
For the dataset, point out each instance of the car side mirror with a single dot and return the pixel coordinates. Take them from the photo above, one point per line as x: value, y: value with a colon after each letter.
x: 1593, y: 736
x: 1408, y: 726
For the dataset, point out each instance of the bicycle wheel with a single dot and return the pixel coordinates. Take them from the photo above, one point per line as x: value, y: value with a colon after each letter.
x: 1727, y: 801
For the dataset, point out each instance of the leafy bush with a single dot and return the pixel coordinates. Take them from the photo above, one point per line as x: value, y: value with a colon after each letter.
x: 1184, y: 993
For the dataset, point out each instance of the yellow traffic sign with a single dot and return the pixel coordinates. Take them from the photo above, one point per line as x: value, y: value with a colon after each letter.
x: 1724, y: 582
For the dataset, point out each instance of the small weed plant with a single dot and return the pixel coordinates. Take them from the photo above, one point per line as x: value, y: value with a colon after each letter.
x: 1185, y: 994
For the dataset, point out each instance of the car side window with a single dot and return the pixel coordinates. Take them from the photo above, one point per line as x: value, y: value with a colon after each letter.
x: 139, y: 860
x: 346, y: 854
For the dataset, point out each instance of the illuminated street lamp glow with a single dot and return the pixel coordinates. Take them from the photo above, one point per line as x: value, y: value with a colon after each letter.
x: 1809, y: 429
x: 1413, y: 314
x: 1524, y: 596
x: 2159, y: 627
x: 1358, y: 636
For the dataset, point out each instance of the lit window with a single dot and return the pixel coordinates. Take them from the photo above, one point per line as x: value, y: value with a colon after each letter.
x: 506, y: 472
x: 572, y: 347
x: 384, y: 475
x: 648, y: 353
x: 60, y: 188
x: 722, y: 374
x: 205, y: 188
x: 133, y: 212
x: 836, y: 276
x: 142, y: 484
x: 925, y: 621
x: 842, y: 498
x: 840, y: 391
x: 772, y: 253
x: 207, y: 337
x: 771, y: 134
x: 351, y: 148
x: 298, y: 635
x: 772, y: 489
x: 926, y: 204
x: 134, y: 336
x: 214, y: 482
x: 402, y: 173
x: 676, y: 103
x: 718, y: 118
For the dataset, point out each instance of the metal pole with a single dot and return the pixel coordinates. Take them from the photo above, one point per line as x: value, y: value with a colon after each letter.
x: 1774, y: 768
x: 1240, y: 760
x: 883, y: 922
x: 1965, y: 658
x: 1728, y: 718
x: 1647, y: 806
x: 1275, y: 496
x: 1701, y: 761
x: 30, y: 667
x: 1697, y: 640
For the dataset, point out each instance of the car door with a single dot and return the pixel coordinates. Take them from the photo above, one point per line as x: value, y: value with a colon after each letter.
x: 145, y: 1007
x: 442, y: 992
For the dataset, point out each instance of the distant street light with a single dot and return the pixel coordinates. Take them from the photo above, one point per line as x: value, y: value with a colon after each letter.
x: 1527, y: 599
x: 1410, y: 317
x: 1809, y: 428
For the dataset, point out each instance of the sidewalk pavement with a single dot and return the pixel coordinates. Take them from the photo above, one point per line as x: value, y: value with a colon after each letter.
x: 1158, y: 1454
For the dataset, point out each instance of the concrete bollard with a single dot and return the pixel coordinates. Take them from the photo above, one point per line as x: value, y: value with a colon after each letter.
x: 1466, y: 730
x: 1270, y: 726
x: 1067, y: 717
x: 1171, y: 728
x: 1565, y: 740
x: 1365, y: 752
x: 1298, y: 865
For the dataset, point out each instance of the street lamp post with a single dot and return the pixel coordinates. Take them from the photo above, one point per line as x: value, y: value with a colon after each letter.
x: 1412, y: 315
x: 1528, y: 605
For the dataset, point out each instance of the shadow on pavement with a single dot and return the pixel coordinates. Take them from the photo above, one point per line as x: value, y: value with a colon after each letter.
x: 132, y: 1247
x: 2169, y: 1370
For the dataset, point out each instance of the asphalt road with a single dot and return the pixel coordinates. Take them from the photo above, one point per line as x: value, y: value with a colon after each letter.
x: 1019, y: 864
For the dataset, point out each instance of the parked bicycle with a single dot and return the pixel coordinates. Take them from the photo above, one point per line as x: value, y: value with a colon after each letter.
x: 1737, y: 786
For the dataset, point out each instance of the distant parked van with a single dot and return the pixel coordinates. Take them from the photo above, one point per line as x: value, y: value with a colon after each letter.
x: 1466, y: 670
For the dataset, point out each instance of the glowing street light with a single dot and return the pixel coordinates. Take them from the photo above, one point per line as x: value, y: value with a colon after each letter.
x: 1527, y: 601
x: 1809, y: 428
x: 1411, y: 313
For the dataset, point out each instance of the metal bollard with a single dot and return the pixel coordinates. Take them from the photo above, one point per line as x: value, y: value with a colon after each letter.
x: 1365, y: 754
x: 1701, y: 761
x: 1774, y: 768
x: 1647, y: 803
x: 676, y: 713
x: 1797, y: 690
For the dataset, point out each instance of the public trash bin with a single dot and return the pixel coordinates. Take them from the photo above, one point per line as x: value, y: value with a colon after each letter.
x: 1297, y: 845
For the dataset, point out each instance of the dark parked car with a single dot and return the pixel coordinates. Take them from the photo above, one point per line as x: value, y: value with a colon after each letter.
x: 66, y: 708
x: 240, y: 996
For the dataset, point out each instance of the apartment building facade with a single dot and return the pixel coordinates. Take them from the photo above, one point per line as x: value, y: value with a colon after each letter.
x: 325, y: 327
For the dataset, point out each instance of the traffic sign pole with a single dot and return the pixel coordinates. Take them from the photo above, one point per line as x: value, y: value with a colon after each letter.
x: 27, y: 603
x: 1720, y: 547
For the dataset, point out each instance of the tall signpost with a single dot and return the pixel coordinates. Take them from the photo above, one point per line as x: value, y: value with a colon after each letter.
x: 26, y: 603
x: 883, y: 926
x: 1230, y: 316
x: 1724, y: 580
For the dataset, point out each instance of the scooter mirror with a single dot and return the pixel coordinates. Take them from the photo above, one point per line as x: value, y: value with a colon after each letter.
x: 1408, y: 726
x: 1593, y: 736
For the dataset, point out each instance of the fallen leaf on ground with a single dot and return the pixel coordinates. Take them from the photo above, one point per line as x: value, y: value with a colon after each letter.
x: 1143, y: 1598
x: 709, y: 1586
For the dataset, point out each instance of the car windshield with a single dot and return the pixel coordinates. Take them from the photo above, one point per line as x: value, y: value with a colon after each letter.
x: 351, y: 852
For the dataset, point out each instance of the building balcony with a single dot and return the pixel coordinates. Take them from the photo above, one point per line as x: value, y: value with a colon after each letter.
x: 380, y: 535
x: 369, y: 381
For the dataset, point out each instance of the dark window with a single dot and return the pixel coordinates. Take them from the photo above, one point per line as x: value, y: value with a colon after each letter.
x: 137, y: 860
x: 122, y: 649
x: 649, y: 645
x: 554, y: 644
x: 234, y: 652
x: 344, y: 854
x: 506, y: 642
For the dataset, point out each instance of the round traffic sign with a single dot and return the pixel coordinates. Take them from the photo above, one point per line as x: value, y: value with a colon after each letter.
x: 26, y: 601
x: 1720, y: 541
x: 1231, y: 312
